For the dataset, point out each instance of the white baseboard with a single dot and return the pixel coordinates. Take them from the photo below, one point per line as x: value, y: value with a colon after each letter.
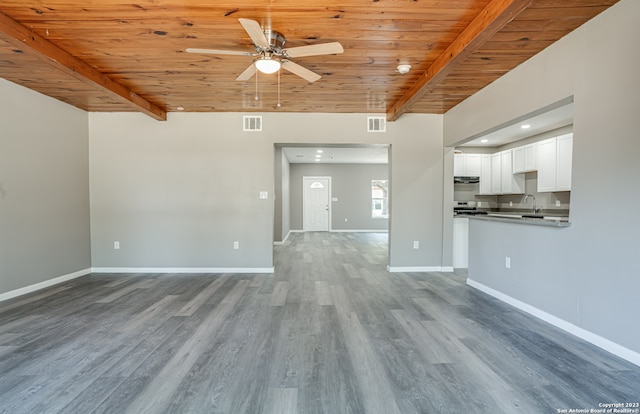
x: 359, y: 231
x: 182, y: 270
x: 607, y: 345
x: 410, y: 269
x: 278, y: 243
x: 32, y: 288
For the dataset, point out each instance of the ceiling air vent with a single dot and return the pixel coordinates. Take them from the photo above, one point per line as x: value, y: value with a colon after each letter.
x: 252, y: 123
x: 376, y: 124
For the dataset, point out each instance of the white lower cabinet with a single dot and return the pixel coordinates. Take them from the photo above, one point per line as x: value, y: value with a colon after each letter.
x: 460, y: 242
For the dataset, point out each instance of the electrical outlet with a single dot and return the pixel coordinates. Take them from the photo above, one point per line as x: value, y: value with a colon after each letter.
x: 416, y: 244
x: 236, y: 245
x: 479, y: 203
x: 557, y: 203
x: 507, y: 262
x: 510, y: 203
x: 116, y: 245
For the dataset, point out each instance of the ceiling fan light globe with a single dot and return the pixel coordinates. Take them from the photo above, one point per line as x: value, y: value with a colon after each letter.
x: 267, y: 65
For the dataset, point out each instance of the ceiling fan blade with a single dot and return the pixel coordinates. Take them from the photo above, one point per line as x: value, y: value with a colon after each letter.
x: 255, y: 32
x: 219, y: 52
x: 314, y: 50
x: 301, y: 71
x: 247, y: 74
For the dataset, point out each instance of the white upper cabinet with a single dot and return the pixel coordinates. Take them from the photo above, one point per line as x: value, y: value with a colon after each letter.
x: 496, y: 173
x: 547, y: 165
x: 466, y: 165
x: 530, y: 157
x: 458, y: 165
x: 564, y: 159
x: 511, y: 183
x: 525, y: 158
x: 485, y: 174
x: 554, y: 163
x: 473, y: 165
x: 503, y: 172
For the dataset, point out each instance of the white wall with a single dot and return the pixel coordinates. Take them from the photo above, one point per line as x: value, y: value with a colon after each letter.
x: 281, y: 195
x: 44, y: 189
x: 176, y: 194
x: 586, y: 275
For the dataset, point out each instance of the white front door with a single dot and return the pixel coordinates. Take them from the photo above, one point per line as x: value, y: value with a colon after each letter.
x: 316, y: 203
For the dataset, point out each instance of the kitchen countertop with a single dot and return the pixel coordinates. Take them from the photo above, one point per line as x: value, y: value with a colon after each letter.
x: 549, y: 221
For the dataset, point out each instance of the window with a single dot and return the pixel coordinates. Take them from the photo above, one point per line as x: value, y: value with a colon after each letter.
x: 379, y: 198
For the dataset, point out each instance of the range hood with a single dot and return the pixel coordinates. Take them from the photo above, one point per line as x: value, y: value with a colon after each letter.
x: 466, y: 179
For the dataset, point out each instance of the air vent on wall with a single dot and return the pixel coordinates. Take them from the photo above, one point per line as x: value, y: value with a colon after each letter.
x: 252, y: 123
x: 376, y: 124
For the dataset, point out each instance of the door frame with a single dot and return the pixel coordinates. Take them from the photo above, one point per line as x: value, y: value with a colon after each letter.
x: 304, y: 199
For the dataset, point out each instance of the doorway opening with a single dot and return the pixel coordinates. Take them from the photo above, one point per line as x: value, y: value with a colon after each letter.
x: 332, y: 188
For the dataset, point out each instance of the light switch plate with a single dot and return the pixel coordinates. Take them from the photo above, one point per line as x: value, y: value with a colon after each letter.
x: 264, y: 195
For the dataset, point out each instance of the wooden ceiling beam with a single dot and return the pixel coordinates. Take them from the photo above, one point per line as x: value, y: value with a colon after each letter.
x: 490, y: 20
x: 23, y: 38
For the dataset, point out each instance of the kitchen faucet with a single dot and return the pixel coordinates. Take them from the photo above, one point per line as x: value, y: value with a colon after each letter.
x: 535, y: 208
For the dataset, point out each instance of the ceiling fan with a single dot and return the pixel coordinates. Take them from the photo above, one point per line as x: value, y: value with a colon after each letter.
x: 270, y: 54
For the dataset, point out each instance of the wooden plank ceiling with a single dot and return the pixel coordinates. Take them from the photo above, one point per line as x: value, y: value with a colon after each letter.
x: 112, y: 55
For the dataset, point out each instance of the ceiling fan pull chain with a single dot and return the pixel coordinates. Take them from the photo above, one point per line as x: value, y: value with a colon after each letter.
x: 257, y: 85
x: 278, y: 90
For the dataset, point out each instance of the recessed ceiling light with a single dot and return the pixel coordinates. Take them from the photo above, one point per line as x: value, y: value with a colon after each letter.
x: 525, y: 126
x: 317, y: 159
x: 403, y: 68
x: 320, y: 151
x: 318, y: 155
x: 180, y: 108
x: 484, y: 141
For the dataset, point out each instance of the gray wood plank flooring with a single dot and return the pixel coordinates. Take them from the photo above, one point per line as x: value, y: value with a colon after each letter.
x: 330, y: 332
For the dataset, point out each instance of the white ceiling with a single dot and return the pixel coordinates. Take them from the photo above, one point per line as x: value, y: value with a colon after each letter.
x: 539, y: 124
x: 370, y: 154
x: 379, y: 154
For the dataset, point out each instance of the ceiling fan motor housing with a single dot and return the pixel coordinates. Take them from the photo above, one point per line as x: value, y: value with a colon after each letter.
x: 276, y: 42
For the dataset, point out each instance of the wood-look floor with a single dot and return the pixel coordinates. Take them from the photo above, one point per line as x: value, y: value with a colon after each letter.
x: 330, y: 332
